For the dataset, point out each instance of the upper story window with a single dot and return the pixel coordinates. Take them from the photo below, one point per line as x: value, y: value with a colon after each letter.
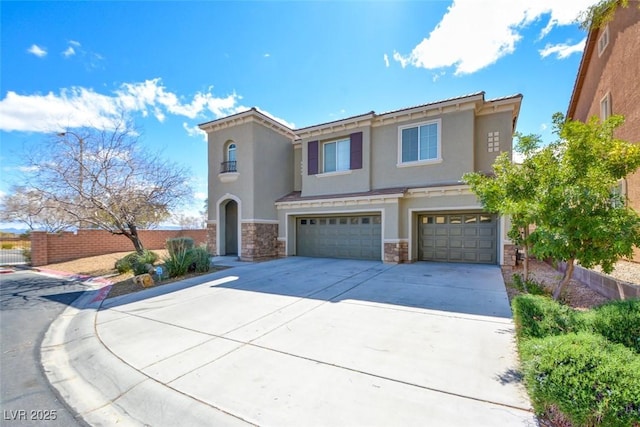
x: 419, y: 142
x: 605, y: 107
x: 231, y: 153
x: 230, y: 164
x: 336, y: 155
x: 603, y: 40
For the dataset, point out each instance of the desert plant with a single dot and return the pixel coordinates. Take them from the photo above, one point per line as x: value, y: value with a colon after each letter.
x: 26, y: 254
x: 200, y: 260
x: 178, y: 244
x: 7, y: 245
x: 589, y: 379
x: 135, y: 262
x: 178, y: 262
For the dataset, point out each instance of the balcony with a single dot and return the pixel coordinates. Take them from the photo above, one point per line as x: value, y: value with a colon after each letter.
x: 228, y: 171
x: 231, y: 166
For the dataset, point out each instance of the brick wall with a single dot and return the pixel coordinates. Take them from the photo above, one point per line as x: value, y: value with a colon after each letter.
x: 259, y: 241
x: 48, y: 248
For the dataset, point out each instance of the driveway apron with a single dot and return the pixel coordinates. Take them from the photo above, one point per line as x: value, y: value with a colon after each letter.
x: 309, y: 341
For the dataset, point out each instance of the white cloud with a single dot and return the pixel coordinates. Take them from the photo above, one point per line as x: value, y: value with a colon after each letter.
x: 290, y: 125
x: 78, y: 107
x: 266, y: 55
x: 194, y: 131
x: 70, y: 51
x: 562, y: 50
x: 38, y: 51
x: 386, y: 60
x: 200, y: 195
x: 474, y: 34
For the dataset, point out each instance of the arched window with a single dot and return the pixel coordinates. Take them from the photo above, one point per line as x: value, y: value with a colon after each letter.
x: 229, y: 164
x: 231, y: 153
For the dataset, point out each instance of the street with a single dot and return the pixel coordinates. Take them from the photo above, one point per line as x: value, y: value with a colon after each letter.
x: 29, y: 302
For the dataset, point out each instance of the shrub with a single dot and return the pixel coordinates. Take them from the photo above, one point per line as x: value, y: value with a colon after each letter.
x: 200, y: 260
x: 178, y: 262
x: 619, y: 322
x: 538, y: 316
x: 178, y: 244
x: 26, y: 254
x: 6, y: 245
x: 589, y: 379
x: 135, y: 262
x: 529, y: 286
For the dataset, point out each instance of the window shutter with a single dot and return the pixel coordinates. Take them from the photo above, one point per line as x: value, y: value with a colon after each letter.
x: 356, y: 150
x: 312, y: 157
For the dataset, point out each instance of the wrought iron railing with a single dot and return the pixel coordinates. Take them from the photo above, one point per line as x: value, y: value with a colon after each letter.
x: 230, y: 166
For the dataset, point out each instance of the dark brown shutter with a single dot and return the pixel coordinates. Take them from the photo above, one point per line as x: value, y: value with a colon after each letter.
x: 312, y: 157
x: 356, y: 150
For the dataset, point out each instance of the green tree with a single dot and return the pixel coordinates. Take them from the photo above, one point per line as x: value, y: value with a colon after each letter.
x: 510, y: 190
x: 568, y: 190
x: 599, y: 14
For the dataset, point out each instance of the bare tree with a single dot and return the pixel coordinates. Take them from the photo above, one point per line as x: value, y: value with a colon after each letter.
x: 103, y: 178
x: 31, y: 207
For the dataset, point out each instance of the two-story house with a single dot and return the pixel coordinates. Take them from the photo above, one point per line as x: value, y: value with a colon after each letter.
x: 374, y: 186
x: 608, y: 82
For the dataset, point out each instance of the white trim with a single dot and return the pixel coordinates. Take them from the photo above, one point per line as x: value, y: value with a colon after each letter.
x: 603, y: 40
x: 605, y: 112
x: 260, y: 221
x: 445, y: 190
x: 395, y: 241
x: 212, y: 221
x: 228, y: 176
x: 336, y: 173
x: 340, y: 201
x: 421, y: 162
x: 288, y: 216
x: 229, y: 196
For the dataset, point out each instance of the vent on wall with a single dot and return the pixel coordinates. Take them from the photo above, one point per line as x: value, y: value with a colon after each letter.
x: 493, y: 141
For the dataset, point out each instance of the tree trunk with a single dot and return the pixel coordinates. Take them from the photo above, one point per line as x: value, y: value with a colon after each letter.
x: 526, y: 254
x: 135, y: 239
x: 567, y: 276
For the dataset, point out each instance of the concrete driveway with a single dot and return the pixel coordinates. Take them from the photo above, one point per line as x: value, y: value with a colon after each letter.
x: 307, y: 341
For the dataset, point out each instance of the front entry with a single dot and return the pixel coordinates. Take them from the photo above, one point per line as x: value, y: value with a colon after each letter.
x: 231, y: 228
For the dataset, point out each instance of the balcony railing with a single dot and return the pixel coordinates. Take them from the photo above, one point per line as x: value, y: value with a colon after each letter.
x: 231, y: 166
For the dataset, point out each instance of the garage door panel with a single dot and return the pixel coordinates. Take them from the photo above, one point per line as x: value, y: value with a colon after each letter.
x: 356, y: 237
x: 458, y: 238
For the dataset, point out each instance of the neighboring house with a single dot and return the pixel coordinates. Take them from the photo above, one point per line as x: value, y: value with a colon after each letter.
x: 374, y: 186
x: 608, y: 82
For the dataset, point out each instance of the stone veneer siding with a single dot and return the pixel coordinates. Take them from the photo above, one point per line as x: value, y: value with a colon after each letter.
x: 397, y: 253
x: 212, y: 231
x: 259, y: 241
x: 282, y: 248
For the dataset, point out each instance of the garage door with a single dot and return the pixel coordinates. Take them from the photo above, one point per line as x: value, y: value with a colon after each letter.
x: 355, y: 237
x: 464, y: 237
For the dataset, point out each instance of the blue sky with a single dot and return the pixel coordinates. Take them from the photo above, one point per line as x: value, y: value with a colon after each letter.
x: 172, y: 65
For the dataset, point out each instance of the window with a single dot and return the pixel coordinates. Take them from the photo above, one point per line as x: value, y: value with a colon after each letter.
x: 603, y: 40
x: 336, y: 155
x: 605, y: 107
x: 231, y: 153
x: 420, y: 143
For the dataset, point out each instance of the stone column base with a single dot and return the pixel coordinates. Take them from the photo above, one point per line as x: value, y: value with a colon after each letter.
x: 396, y: 253
x: 211, y: 239
x: 510, y: 258
x: 259, y: 241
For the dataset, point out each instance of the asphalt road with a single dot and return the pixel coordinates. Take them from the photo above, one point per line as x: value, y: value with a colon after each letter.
x: 29, y: 302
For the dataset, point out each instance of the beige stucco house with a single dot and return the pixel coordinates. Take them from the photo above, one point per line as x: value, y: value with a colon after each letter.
x: 374, y: 186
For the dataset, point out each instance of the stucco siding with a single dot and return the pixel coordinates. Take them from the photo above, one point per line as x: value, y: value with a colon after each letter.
x: 347, y: 181
x: 272, y: 171
x: 456, y: 153
x: 493, y: 135
x: 242, y: 187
